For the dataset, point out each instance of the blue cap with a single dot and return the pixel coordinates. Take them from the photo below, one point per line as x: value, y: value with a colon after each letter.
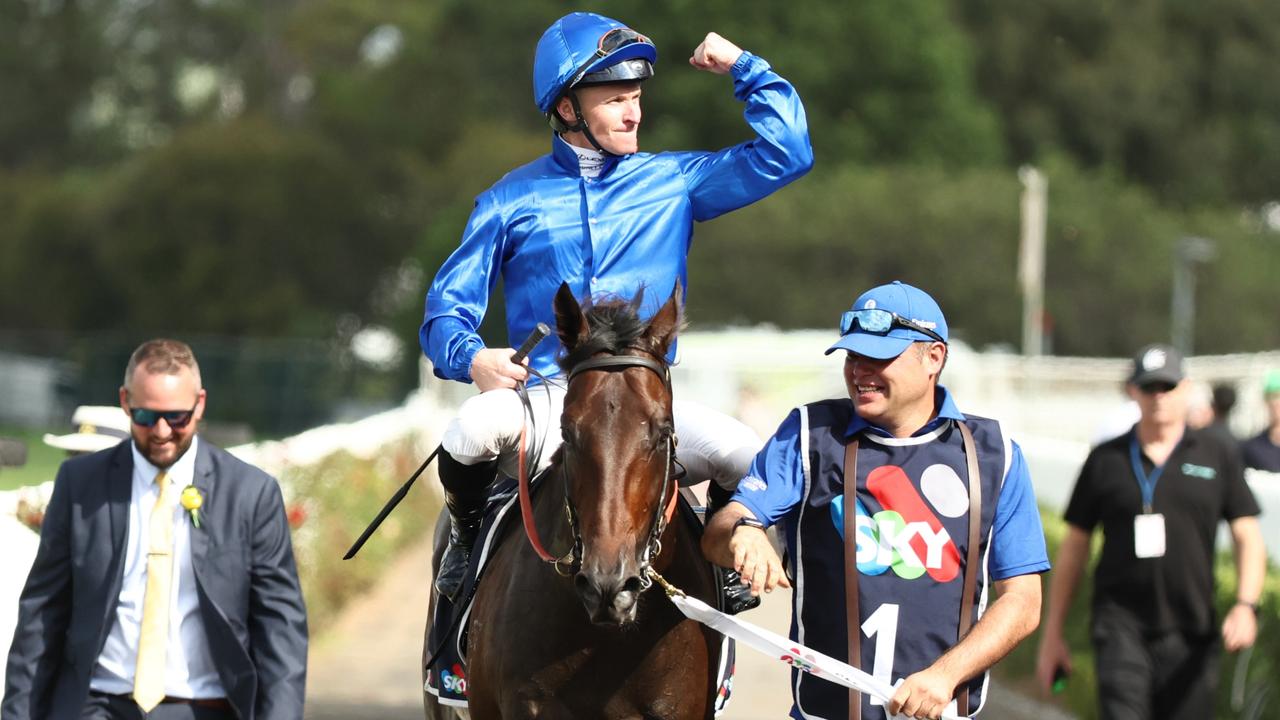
x: 567, y: 45
x: 907, y: 302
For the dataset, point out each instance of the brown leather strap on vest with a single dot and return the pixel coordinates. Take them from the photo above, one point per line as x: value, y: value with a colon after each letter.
x: 971, y: 554
x: 853, y: 617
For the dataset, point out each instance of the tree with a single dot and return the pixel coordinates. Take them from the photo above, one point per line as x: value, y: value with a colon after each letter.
x: 1171, y: 93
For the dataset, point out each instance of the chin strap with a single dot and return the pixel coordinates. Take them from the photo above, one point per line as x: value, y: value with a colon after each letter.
x: 580, y: 124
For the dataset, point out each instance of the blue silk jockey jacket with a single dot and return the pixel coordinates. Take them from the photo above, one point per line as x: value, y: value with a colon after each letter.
x: 630, y: 228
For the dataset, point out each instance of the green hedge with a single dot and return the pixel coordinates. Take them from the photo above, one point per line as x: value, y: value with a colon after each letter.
x: 338, y: 497
x: 1080, y: 697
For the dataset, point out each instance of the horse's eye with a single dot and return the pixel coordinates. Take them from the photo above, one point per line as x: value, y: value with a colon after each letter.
x: 662, y: 433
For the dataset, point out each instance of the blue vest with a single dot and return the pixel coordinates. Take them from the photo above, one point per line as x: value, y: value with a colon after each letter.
x: 913, y: 530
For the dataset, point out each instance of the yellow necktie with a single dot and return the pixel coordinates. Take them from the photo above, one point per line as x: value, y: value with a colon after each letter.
x: 148, y: 678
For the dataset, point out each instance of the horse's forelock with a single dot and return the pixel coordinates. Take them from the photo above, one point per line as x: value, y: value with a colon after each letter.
x: 613, y: 326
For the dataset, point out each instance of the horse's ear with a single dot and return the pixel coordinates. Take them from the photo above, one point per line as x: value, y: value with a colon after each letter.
x: 664, y: 326
x: 571, y: 322
x: 636, y: 301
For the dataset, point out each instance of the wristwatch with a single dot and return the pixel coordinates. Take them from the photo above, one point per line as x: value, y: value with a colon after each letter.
x: 748, y: 521
x: 1251, y: 605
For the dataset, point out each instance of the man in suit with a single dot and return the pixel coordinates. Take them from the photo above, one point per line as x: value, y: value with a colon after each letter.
x: 165, y: 584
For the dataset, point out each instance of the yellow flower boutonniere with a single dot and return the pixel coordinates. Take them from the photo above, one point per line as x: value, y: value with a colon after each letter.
x: 192, y: 500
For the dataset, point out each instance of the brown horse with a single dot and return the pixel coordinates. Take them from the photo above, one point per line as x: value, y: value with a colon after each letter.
x: 587, y: 638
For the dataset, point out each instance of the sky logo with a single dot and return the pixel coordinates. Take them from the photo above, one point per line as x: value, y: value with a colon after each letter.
x: 454, y: 680
x: 907, y: 535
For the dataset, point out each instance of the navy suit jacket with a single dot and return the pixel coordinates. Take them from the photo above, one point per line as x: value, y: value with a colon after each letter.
x: 246, y: 579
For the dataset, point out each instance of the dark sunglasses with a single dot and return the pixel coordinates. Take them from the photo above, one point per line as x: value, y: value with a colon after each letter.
x: 177, y: 419
x: 880, y: 321
x: 1152, y: 388
x: 611, y: 41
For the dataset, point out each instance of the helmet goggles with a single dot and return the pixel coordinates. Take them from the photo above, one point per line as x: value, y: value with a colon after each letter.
x: 609, y: 43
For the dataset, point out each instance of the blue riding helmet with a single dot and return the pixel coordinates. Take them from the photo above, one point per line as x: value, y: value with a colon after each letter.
x: 585, y: 48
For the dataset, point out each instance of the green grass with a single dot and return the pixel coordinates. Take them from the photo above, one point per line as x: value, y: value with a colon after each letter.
x: 42, y: 460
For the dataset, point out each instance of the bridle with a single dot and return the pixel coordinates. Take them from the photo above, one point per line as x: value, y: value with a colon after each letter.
x: 572, y: 560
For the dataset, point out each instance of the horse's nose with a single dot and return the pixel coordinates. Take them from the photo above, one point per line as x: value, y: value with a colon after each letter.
x: 608, y: 599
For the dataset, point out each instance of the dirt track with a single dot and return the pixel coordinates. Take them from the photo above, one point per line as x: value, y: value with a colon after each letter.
x: 366, y: 666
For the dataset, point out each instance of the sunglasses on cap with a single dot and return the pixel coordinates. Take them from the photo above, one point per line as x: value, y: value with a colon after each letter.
x: 878, y: 321
x: 614, y: 40
x: 176, y: 419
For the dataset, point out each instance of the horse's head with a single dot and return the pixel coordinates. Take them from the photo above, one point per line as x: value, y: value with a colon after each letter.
x: 619, y: 444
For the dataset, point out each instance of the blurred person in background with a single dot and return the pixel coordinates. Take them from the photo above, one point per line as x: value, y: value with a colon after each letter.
x: 1223, y: 402
x: 1199, y: 405
x: 164, y: 585
x: 1158, y: 491
x: 94, y: 428
x: 1262, y: 452
x: 943, y: 510
x: 608, y: 220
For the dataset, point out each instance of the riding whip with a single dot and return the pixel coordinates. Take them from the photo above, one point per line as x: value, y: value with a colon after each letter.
x: 539, y: 333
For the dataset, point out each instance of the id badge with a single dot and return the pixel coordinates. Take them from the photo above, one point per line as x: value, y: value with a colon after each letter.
x: 1148, y: 535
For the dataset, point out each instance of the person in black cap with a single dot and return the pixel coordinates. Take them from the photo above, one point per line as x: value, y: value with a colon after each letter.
x: 1158, y: 491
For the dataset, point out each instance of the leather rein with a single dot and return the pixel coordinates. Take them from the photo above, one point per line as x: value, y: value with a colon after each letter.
x: 570, y: 561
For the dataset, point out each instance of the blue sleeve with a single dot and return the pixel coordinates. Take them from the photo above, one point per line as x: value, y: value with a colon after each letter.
x: 459, y: 295
x: 775, y: 483
x: 729, y: 179
x: 1017, y: 538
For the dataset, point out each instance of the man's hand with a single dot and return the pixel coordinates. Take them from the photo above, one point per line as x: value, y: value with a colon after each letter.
x: 755, y: 559
x: 715, y: 54
x: 1239, y: 629
x: 743, y: 548
x: 923, y: 695
x: 1054, y: 653
x: 492, y: 368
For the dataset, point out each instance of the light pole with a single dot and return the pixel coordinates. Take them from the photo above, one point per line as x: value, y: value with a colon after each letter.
x: 1034, y: 207
x: 1189, y: 251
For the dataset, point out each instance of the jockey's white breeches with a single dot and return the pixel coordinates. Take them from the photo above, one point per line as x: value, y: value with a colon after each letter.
x: 711, y: 445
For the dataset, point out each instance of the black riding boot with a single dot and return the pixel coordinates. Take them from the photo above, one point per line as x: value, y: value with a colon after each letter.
x: 466, y: 488
x: 734, y: 593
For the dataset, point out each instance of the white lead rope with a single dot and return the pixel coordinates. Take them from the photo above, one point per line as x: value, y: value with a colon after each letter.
x: 781, y: 648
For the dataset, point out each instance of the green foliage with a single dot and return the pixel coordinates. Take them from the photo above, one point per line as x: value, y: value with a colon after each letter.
x: 232, y: 225
x: 1170, y: 92
x: 338, y: 497
x: 883, y: 81
x: 802, y: 257
x: 799, y: 258
x: 267, y: 166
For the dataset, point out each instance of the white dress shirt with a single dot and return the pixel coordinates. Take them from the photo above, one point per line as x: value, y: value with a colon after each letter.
x: 189, y: 668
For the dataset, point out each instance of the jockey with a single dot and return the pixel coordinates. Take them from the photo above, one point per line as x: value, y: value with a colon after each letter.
x: 608, y: 220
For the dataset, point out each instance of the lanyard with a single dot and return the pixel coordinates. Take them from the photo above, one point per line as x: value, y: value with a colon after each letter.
x: 1145, y: 481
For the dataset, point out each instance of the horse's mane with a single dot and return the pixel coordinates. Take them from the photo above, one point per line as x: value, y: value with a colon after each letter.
x: 613, y: 325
